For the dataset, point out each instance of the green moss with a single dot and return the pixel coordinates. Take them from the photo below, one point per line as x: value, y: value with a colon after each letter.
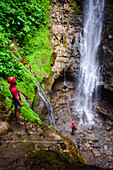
x: 27, y: 84
x: 39, y: 56
x: 76, y: 7
x: 74, y: 150
x: 28, y: 113
x: 111, y: 27
x: 43, y: 86
x: 39, y: 78
x: 52, y: 159
x: 111, y: 7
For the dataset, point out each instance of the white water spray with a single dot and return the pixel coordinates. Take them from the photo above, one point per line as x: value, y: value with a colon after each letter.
x: 89, y: 74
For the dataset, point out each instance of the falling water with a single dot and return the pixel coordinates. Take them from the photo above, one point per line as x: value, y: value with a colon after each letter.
x: 24, y: 99
x: 89, y: 74
x: 42, y: 95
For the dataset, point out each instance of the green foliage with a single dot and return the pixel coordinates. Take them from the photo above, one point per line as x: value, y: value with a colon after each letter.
x: 27, y: 22
x: 38, y: 50
x: 111, y: 27
x: 19, y: 17
x: 43, y: 86
x: 2, y: 88
x: 111, y: 7
x: 9, y: 66
x: 76, y: 7
x: 39, y: 78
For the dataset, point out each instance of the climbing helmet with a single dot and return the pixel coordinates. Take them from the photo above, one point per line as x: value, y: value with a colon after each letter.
x: 11, y: 80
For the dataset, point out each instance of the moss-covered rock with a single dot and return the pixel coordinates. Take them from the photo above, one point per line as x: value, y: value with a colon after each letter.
x: 49, y: 159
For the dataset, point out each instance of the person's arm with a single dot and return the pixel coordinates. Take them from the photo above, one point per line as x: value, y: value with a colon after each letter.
x: 19, y: 101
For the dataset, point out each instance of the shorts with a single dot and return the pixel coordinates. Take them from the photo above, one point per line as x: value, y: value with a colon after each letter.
x: 73, y: 129
x: 17, y: 105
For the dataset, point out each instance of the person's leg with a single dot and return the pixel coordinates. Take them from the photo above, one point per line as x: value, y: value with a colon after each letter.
x: 72, y: 132
x: 17, y: 116
x: 17, y: 112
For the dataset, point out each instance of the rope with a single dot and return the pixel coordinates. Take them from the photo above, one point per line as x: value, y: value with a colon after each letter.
x: 63, y: 37
x: 65, y: 84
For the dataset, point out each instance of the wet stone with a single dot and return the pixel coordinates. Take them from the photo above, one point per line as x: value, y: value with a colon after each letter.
x: 108, y: 128
x: 107, y: 139
x: 96, y: 153
x: 96, y: 115
x: 97, y: 145
x: 105, y: 147
x: 109, y: 153
x: 90, y: 142
x: 90, y: 148
x: 95, y: 140
x: 91, y: 128
x: 87, y: 145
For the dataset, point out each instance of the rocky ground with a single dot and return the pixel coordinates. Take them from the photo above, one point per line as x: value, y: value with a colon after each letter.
x: 31, y: 146
x: 95, y: 141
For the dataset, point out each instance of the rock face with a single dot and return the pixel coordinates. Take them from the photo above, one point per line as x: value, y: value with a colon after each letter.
x: 65, y: 36
x: 64, y: 39
x: 106, y: 54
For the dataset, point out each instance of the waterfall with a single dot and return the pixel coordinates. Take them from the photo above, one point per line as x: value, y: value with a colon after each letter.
x: 89, y: 74
x: 24, y: 99
x: 42, y: 95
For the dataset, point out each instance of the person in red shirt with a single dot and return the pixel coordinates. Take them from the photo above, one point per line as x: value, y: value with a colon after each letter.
x: 73, y: 127
x: 16, y: 98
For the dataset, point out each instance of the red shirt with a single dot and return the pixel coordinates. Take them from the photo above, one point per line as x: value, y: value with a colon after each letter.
x: 15, y: 92
x: 73, y: 126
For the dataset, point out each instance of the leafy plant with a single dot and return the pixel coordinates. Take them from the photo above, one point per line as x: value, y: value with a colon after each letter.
x: 19, y: 17
x: 76, y: 7
x: 9, y: 66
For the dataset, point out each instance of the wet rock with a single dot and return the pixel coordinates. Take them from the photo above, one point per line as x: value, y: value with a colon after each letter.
x: 4, y: 127
x: 108, y: 127
x: 109, y: 153
x: 90, y: 148
x: 91, y: 128
x: 87, y: 145
x: 95, y: 140
x: 107, y: 139
x: 97, y: 145
x: 110, y: 36
x: 105, y: 147
x: 96, y: 153
x: 90, y: 142
x: 96, y: 115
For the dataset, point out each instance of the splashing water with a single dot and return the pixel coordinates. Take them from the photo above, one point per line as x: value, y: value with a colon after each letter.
x: 89, y: 74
